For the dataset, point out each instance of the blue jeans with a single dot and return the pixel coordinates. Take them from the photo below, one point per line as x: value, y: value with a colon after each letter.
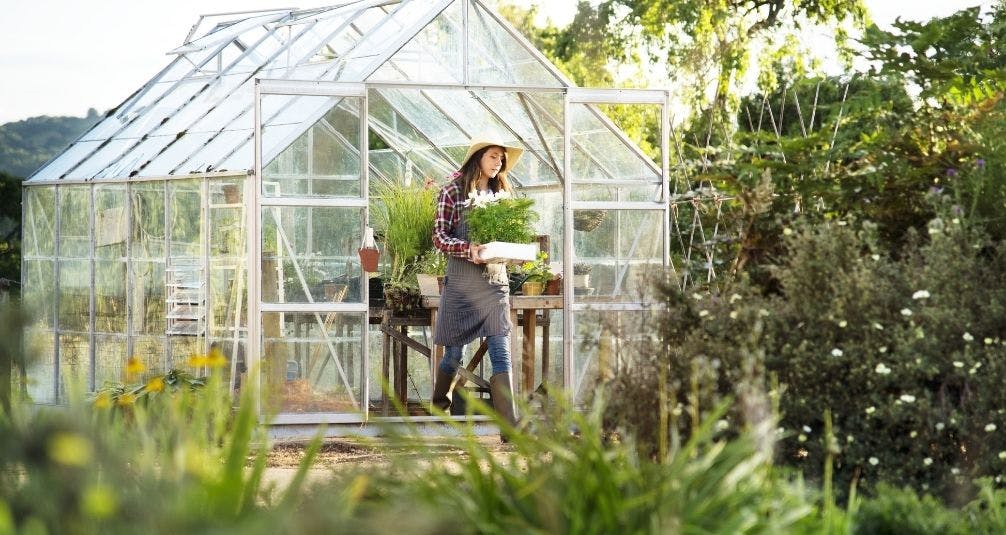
x: 499, y: 355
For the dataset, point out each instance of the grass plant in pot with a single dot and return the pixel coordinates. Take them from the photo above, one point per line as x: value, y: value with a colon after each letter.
x: 403, y: 215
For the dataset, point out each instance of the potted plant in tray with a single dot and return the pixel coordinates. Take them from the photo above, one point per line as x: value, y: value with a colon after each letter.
x: 504, y: 224
x: 403, y: 215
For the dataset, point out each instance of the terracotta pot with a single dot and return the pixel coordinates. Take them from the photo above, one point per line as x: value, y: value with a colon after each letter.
x: 532, y: 288
x: 368, y: 259
x: 554, y: 287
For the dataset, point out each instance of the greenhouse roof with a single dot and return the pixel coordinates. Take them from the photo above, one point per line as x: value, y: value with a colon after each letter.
x: 197, y: 115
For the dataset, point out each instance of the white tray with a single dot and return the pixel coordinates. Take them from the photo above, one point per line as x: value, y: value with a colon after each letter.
x: 501, y: 251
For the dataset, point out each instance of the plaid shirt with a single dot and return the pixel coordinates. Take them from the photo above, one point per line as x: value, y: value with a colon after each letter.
x: 449, y: 213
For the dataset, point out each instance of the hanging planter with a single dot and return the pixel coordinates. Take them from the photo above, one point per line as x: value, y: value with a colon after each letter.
x: 368, y: 252
x: 588, y: 220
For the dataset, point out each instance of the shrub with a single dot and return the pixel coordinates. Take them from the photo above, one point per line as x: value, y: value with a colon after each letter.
x: 906, y: 352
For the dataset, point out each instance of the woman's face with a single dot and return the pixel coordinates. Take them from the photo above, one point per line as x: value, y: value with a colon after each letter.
x: 492, y: 161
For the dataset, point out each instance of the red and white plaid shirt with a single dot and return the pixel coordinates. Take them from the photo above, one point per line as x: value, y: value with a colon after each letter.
x: 450, y: 202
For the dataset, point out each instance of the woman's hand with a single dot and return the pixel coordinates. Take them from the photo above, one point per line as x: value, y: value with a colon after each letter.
x: 474, y: 250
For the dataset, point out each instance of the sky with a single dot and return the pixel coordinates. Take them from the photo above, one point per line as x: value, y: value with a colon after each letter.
x: 61, y: 57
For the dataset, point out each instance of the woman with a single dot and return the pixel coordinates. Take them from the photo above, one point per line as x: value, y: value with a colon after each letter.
x: 471, y: 306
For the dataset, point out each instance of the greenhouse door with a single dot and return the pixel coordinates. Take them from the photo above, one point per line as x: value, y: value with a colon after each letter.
x: 308, y: 349
x: 617, y: 226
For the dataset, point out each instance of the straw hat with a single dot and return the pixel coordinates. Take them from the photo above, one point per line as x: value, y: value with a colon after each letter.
x: 481, y: 141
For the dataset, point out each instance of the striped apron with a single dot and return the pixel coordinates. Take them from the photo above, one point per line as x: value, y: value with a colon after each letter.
x: 470, y: 306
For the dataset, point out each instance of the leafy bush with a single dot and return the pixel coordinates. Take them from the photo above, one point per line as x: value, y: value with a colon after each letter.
x: 906, y: 352
x: 404, y: 215
x: 504, y: 218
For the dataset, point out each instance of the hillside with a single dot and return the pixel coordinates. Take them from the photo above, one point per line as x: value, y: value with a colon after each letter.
x: 27, y: 145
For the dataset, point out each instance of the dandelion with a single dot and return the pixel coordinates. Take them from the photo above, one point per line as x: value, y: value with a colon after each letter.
x: 906, y: 312
x: 216, y: 358
x: 125, y: 400
x: 874, y: 461
x: 836, y: 352
x: 134, y: 366
x: 927, y: 461
x: 967, y: 337
x: 921, y: 294
x: 907, y: 398
x: 155, y: 384
x: 102, y: 401
x: 990, y: 428
x: 871, y: 409
x: 196, y: 361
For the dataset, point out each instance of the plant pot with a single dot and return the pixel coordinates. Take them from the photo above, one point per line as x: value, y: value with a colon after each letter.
x: 532, y: 287
x: 428, y: 284
x: 581, y: 281
x: 368, y: 259
x: 554, y: 287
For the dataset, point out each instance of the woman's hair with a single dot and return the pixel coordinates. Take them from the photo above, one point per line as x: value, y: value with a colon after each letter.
x: 470, y: 172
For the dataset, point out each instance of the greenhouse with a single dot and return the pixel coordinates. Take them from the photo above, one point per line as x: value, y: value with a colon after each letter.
x: 220, y: 208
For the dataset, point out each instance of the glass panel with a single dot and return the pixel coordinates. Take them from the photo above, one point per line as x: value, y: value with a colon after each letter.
x: 184, y: 348
x: 312, y: 363
x: 109, y: 360
x: 149, y: 117
x: 621, y: 254
x: 110, y: 296
x: 147, y: 297
x: 67, y: 160
x: 433, y: 55
x: 39, y: 220
x: 110, y: 226
x: 41, y: 349
x: 186, y: 211
x: 542, y: 162
x: 74, y: 364
x: 75, y: 213
x: 74, y: 295
x: 324, y: 161
x: 109, y: 155
x: 498, y: 58
x: 148, y: 220
x: 151, y: 352
x: 604, y: 344
x: 134, y: 162
x: 228, y: 281
x: 38, y: 295
x: 310, y: 254
x: 601, y: 155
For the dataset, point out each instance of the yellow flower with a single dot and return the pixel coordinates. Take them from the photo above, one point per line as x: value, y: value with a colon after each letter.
x: 70, y: 449
x: 102, y: 401
x: 125, y: 400
x: 134, y: 366
x: 197, y: 361
x: 216, y: 358
x: 155, y: 384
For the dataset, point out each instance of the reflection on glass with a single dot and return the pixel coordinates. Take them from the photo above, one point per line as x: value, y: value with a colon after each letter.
x: 312, y: 362
x: 622, y: 254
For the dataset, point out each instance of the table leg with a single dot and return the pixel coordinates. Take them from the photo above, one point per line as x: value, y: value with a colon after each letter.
x: 386, y: 374
x: 545, y: 321
x: 513, y: 347
x: 401, y: 366
x: 527, y: 353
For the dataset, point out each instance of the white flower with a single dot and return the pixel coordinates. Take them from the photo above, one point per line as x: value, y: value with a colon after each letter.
x: 882, y: 369
x: 734, y: 298
x: 806, y: 429
x: 913, y: 434
x: 801, y: 437
x: 882, y: 349
x: 940, y: 426
x: 836, y: 352
x: 955, y: 471
x: 850, y: 439
x: 787, y: 231
x: 988, y: 341
x: 1002, y: 454
x: 967, y: 337
x: 874, y: 461
x: 955, y: 221
x: 907, y: 398
x: 906, y: 312
x: 958, y: 364
x: 870, y: 410
x: 990, y: 428
x: 697, y: 296
x: 927, y: 461
x: 875, y: 257
x: 762, y: 312
x: 878, y: 326
x: 703, y: 313
x: 843, y: 323
x: 721, y: 425
x: 921, y: 294
x: 733, y: 314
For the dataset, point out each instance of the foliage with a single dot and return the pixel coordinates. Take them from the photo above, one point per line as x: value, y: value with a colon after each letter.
x: 403, y: 215
x: 501, y: 218
x: 26, y: 145
x: 433, y: 262
x: 538, y: 270
x: 905, y: 352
